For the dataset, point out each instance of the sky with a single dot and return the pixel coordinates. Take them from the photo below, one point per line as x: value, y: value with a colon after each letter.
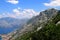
x: 25, y: 8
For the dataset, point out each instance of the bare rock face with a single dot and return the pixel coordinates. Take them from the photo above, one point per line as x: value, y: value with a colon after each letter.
x: 58, y: 23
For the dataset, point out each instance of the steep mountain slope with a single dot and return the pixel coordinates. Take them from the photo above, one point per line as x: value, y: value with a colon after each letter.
x: 31, y: 31
x: 44, y: 15
x: 8, y: 24
x: 51, y: 31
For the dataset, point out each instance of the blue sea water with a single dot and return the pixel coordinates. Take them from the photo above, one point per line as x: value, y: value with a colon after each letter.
x: 0, y: 38
x: 6, y: 30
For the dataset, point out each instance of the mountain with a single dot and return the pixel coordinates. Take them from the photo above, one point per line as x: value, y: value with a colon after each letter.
x: 41, y: 27
x: 44, y: 15
x: 8, y: 24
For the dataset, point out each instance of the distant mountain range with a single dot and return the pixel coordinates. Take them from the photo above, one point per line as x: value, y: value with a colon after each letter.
x: 9, y: 24
x: 12, y: 22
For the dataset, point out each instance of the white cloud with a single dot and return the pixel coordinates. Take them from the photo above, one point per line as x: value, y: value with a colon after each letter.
x: 13, y: 1
x: 30, y: 12
x: 20, y: 13
x: 16, y: 11
x: 25, y: 13
x: 53, y: 3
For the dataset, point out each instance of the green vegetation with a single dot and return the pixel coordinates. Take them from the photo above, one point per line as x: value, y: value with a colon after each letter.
x: 50, y: 32
x: 26, y: 36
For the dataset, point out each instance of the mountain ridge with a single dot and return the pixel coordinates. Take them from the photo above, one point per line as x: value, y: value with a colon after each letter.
x: 36, y: 23
x: 8, y: 24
